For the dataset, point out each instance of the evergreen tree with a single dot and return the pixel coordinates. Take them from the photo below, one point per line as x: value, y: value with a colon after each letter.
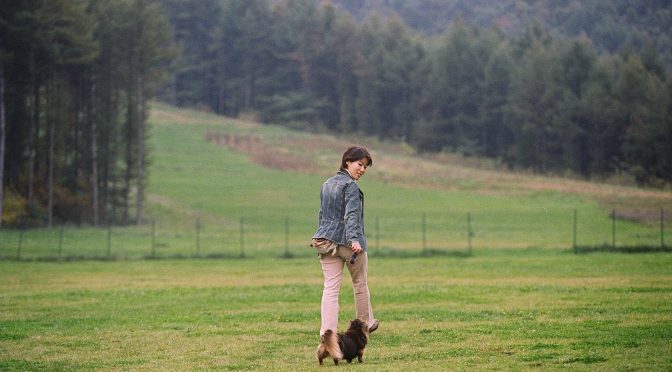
x: 388, y: 81
x: 536, y: 106
x: 578, y: 61
x: 643, y: 103
x: 455, y: 92
x: 195, y: 26
x: 2, y: 139
x: 496, y: 136
x: 598, y: 113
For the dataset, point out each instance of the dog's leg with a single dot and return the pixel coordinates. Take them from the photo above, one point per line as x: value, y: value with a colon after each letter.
x: 321, y: 354
x: 360, y: 356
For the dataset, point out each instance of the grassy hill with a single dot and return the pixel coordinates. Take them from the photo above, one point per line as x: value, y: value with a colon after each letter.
x: 223, y: 170
x: 224, y: 187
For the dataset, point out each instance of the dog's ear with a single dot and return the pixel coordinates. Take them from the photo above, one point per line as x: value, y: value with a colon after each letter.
x: 358, y: 324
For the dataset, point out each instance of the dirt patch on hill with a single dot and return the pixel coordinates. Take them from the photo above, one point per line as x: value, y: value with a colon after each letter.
x: 264, y: 154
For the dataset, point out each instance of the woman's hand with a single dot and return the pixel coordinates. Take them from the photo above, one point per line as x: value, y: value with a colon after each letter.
x: 356, y: 248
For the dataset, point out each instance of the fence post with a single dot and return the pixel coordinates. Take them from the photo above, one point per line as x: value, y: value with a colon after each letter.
x: 469, y: 232
x: 153, y: 238
x: 198, y: 237
x: 662, y: 228
x: 60, y: 240
x: 424, y: 234
x: 377, y: 233
x: 613, y: 229
x: 109, y: 240
x: 18, y: 250
x: 242, y: 236
x: 574, y: 232
x: 286, y: 236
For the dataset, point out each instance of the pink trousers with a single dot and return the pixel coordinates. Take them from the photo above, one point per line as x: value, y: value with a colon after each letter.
x: 332, y: 268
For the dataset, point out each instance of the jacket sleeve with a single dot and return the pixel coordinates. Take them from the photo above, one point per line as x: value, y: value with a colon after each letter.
x: 353, y: 211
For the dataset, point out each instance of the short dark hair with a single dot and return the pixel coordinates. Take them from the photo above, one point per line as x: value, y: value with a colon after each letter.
x: 355, y: 153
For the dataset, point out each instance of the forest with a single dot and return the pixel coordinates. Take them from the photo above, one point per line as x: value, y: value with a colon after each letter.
x: 577, y: 88
x: 75, y: 79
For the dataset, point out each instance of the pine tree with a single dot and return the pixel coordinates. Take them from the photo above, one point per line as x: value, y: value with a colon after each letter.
x: 2, y: 139
x: 536, y: 104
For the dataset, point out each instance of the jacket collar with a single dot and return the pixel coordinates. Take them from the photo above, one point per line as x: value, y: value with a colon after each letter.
x: 345, y: 172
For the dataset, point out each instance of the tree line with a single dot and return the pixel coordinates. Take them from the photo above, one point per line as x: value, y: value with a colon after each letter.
x: 75, y: 78
x: 530, y: 100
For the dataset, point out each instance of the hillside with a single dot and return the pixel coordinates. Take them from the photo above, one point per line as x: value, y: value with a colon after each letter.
x: 396, y: 164
x: 222, y: 169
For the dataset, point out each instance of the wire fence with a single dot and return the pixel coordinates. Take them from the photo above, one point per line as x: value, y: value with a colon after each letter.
x: 419, y: 235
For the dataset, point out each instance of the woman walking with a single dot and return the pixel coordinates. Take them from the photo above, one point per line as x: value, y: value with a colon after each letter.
x: 340, y: 239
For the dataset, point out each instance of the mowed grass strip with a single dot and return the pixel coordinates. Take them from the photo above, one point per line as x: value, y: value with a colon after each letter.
x: 498, y: 309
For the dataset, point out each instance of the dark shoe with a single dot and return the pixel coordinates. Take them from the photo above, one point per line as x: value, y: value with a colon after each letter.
x: 374, y: 326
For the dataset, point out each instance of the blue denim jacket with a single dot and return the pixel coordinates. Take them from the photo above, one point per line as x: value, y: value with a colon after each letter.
x: 341, y: 217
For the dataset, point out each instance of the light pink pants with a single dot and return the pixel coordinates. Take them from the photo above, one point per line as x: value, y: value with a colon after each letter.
x: 332, y: 268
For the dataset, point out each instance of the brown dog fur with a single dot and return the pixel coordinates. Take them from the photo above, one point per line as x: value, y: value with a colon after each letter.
x: 346, y: 345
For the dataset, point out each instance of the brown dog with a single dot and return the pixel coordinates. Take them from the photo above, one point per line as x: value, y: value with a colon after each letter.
x: 346, y: 345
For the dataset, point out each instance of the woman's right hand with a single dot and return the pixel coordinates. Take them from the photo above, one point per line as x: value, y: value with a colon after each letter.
x: 356, y: 247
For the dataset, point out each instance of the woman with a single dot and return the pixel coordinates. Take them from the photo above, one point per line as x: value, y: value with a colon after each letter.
x: 340, y: 239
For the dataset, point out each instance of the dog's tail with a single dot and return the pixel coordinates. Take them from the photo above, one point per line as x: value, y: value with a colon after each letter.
x: 330, y: 342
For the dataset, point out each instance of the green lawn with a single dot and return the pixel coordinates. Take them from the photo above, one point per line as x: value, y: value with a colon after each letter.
x: 498, y: 309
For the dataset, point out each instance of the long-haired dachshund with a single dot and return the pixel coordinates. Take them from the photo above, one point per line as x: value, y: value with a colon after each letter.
x: 346, y: 345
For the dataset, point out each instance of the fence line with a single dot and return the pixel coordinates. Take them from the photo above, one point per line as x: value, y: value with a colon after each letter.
x: 470, y: 234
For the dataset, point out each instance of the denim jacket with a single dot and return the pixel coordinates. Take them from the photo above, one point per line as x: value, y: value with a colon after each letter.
x: 341, y: 217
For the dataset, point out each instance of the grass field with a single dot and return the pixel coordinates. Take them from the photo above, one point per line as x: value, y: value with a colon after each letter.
x: 85, y: 297
x: 498, y: 309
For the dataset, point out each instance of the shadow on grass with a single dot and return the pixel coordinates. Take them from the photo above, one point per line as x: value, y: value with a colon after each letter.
x: 287, y: 255
x: 400, y: 253
x: 385, y: 253
x: 414, y: 253
x: 75, y: 258
x: 209, y: 256
x: 624, y: 249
